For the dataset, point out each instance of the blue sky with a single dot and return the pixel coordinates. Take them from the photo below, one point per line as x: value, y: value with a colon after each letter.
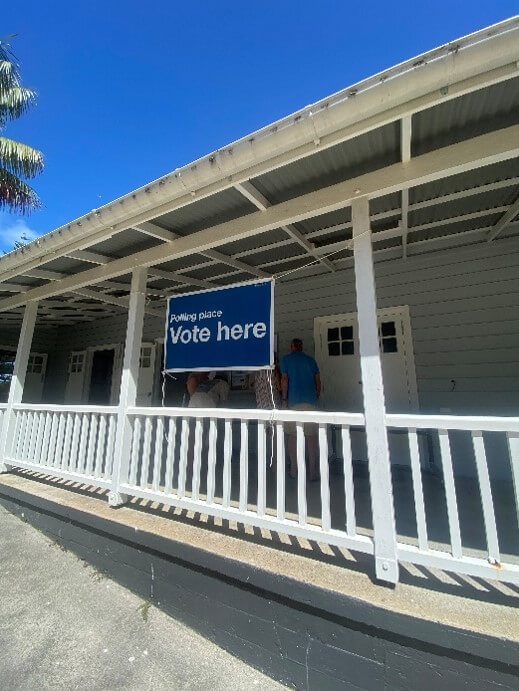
x: 128, y: 91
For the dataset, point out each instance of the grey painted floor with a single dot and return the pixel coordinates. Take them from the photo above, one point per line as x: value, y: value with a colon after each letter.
x: 64, y: 626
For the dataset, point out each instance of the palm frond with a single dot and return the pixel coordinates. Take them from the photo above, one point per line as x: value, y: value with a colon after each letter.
x: 9, y: 72
x: 14, y: 102
x: 20, y: 159
x: 16, y: 195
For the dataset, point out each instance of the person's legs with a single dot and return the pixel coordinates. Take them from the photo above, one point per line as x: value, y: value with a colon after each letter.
x: 292, y: 453
x: 313, y: 451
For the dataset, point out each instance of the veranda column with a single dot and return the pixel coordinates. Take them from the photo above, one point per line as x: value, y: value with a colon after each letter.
x: 18, y: 379
x: 129, y: 379
x: 386, y: 564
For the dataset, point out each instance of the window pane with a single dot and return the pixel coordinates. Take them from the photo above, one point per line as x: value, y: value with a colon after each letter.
x: 389, y: 345
x: 334, y: 348
x: 347, y: 348
x: 333, y: 334
x: 388, y: 329
x: 347, y: 333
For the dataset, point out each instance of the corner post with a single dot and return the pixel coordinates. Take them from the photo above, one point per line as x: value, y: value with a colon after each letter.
x: 128, y: 390
x: 386, y: 563
x: 18, y: 380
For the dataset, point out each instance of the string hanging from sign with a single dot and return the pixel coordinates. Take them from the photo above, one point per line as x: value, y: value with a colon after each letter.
x: 271, y: 418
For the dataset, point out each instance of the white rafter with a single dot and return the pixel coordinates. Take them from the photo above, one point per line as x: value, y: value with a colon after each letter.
x: 169, y: 236
x: 505, y: 219
x: 88, y: 256
x: 248, y: 190
x: 405, y: 157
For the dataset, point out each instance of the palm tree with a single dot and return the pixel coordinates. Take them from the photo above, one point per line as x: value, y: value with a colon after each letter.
x: 17, y: 160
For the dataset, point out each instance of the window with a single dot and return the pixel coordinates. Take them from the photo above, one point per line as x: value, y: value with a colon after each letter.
x: 35, y: 364
x: 145, y: 356
x: 76, y: 362
x: 388, y: 337
x: 340, y: 341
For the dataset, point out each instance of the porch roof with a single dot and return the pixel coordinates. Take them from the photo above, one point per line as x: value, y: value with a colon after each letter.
x: 433, y: 143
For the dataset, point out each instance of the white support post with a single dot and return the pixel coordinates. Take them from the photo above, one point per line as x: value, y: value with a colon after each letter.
x: 18, y: 379
x: 128, y: 391
x: 386, y: 564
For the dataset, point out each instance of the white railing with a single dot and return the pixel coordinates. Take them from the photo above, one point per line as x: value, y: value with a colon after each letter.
x: 476, y: 441
x: 219, y: 462
x: 3, y: 408
x: 72, y: 442
x: 232, y: 464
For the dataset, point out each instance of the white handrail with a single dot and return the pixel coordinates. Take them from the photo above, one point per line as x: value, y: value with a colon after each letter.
x: 277, y: 415
x: 55, y: 408
x: 476, y: 423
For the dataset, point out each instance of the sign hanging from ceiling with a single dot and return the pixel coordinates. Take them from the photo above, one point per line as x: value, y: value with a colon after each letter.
x: 230, y: 328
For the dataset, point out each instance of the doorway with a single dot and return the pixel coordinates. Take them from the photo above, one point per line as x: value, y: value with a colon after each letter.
x: 337, y: 352
x: 102, y: 368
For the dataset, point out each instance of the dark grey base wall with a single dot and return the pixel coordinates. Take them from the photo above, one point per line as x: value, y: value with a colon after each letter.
x: 305, y: 637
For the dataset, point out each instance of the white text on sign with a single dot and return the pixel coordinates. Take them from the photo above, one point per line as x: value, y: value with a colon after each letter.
x: 236, y: 332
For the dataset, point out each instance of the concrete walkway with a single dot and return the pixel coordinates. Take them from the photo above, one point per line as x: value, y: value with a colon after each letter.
x: 65, y: 626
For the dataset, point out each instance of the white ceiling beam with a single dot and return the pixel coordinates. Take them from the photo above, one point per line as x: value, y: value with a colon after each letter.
x: 155, y: 231
x: 451, y: 160
x: 95, y: 258
x: 44, y: 274
x: 505, y: 219
x: 462, y: 194
x: 235, y: 263
x: 13, y: 288
x: 88, y: 256
x: 248, y: 190
x: 310, y: 248
x: 405, y: 157
x: 424, y: 246
x: 120, y: 302
x: 435, y: 201
x: 405, y: 138
x: 397, y: 231
x: 169, y: 236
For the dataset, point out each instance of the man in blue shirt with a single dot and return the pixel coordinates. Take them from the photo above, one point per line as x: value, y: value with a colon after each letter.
x: 300, y: 390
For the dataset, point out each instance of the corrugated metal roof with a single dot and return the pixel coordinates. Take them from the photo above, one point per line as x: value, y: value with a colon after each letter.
x: 467, y: 116
x: 124, y: 243
x: 218, y: 208
x: 310, y: 225
x: 66, y: 265
x: 465, y: 205
x: 236, y: 248
x: 455, y: 227
x: 496, y: 172
x: 344, y: 161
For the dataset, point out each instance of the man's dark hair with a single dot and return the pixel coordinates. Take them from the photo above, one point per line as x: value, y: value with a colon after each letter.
x: 297, y: 343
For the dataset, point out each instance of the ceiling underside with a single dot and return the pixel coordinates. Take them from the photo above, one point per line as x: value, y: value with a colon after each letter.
x: 462, y: 208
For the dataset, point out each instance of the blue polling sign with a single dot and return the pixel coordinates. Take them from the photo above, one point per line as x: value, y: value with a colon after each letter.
x: 230, y: 328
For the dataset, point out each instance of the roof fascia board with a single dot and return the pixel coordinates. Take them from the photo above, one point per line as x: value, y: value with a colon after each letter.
x: 437, y: 76
x: 451, y: 160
